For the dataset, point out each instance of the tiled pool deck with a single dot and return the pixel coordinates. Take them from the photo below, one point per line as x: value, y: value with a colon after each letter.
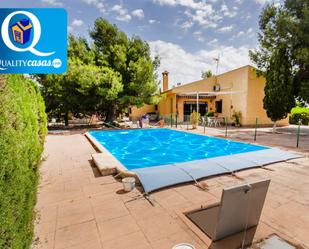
x: 79, y: 209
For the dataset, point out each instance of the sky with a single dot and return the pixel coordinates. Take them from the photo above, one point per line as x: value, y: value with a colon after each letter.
x: 186, y: 34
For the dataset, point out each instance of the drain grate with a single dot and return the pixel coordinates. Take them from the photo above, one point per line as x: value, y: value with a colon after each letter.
x: 273, y: 242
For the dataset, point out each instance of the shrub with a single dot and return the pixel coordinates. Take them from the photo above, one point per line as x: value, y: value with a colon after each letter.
x: 210, y: 114
x: 299, y: 113
x: 194, y: 119
x: 22, y: 135
x: 237, y: 115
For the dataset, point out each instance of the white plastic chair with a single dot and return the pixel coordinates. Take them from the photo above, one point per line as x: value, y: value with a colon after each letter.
x: 210, y: 122
x: 204, y: 121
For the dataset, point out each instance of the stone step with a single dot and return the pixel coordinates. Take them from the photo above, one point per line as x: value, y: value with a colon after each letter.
x: 106, y: 164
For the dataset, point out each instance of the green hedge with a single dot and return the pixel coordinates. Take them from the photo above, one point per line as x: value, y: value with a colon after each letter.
x: 22, y: 135
x: 299, y: 113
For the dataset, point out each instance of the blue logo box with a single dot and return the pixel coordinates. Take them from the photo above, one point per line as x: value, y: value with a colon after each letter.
x: 33, y: 41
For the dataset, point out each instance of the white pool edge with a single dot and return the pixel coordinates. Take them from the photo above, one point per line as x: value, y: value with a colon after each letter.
x: 121, y: 169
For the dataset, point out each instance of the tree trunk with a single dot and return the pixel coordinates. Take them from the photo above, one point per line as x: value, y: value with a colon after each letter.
x: 275, y: 126
x: 110, y: 114
x: 66, y: 119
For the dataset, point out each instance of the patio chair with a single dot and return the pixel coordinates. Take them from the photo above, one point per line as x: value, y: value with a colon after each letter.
x: 203, y: 120
x: 218, y: 122
x: 240, y: 208
x: 210, y: 122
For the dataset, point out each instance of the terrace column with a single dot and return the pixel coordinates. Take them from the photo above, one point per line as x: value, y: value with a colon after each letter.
x: 197, y: 100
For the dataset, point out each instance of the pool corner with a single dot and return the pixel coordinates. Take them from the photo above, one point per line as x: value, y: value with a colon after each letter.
x: 122, y: 171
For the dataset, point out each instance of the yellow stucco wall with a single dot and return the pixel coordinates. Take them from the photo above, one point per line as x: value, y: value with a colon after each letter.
x: 136, y: 113
x: 240, y: 90
x: 234, y: 81
x: 167, y: 103
x: 255, y: 98
x: 233, y: 89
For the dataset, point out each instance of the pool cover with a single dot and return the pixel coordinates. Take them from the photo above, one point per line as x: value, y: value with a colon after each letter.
x: 154, y: 178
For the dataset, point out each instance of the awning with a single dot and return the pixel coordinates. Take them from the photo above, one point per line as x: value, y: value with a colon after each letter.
x: 209, y: 94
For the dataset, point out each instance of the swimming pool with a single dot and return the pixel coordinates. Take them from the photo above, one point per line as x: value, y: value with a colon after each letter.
x: 143, y: 148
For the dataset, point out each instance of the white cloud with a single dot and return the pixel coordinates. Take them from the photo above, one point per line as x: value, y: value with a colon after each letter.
x: 77, y: 23
x: 186, y: 67
x: 213, y: 42
x: 206, y: 17
x: 262, y: 2
x: 224, y: 7
x: 124, y: 18
x: 247, y: 16
x: 122, y: 13
x: 70, y: 29
x: 199, y: 36
x: 119, y: 8
x: 116, y: 8
x: 227, y: 12
x: 185, y: 3
x: 200, y: 12
x: 186, y: 25
x: 165, y: 2
x: 196, y: 5
x: 53, y: 2
x: 139, y: 13
x: 240, y: 33
x: 97, y: 3
x: 249, y: 33
x: 151, y: 21
x: 225, y: 29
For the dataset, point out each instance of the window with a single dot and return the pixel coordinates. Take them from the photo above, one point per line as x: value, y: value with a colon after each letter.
x: 219, y: 106
x: 156, y: 107
x: 130, y: 110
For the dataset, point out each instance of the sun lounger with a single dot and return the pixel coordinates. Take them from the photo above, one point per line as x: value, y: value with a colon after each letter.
x: 240, y: 209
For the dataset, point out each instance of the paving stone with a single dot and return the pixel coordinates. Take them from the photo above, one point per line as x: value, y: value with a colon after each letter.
x: 74, y: 212
x: 134, y: 240
x: 116, y: 228
x: 75, y: 235
x: 77, y: 209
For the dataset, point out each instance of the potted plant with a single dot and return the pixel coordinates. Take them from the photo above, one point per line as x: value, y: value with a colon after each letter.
x: 210, y: 114
x: 194, y: 119
x: 237, y: 115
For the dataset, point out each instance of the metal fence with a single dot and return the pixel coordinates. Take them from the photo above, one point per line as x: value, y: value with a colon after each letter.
x: 298, y: 137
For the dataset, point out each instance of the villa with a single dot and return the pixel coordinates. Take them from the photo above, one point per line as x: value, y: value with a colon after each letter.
x: 237, y: 90
x: 193, y: 189
x: 99, y: 150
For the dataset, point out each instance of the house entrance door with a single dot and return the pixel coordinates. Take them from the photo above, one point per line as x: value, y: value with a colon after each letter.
x: 189, y: 107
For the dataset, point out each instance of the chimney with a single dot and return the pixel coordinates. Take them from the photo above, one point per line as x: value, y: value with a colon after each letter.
x: 165, y: 80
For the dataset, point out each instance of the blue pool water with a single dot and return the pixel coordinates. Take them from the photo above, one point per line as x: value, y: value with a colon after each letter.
x: 152, y: 147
